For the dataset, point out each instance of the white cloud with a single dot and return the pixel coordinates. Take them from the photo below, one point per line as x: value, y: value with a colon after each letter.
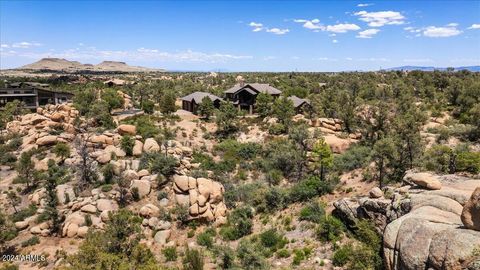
x: 447, y: 31
x: 381, y: 18
x: 412, y: 29
x: 25, y: 45
x: 342, y: 27
x: 4, y: 46
x: 257, y: 27
x: 326, y: 59
x: 364, y: 5
x: 369, y: 33
x: 335, y: 41
x: 475, y: 26
x: 311, y: 24
x: 337, y: 28
x: 141, y: 54
x: 277, y: 31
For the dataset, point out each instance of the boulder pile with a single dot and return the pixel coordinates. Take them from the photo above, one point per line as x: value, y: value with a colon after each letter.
x: 203, y: 197
x: 59, y: 116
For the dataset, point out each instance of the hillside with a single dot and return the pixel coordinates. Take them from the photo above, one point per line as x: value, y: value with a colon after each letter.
x: 58, y: 64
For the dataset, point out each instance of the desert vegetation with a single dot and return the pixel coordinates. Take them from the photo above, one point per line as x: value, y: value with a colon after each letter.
x: 97, y: 183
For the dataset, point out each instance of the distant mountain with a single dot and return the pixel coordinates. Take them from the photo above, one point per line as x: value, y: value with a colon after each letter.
x: 58, y: 64
x: 410, y: 68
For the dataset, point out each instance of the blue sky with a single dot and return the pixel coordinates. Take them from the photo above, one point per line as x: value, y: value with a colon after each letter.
x: 243, y: 35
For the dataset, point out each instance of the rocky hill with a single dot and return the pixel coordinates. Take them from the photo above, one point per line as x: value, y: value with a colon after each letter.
x: 58, y: 64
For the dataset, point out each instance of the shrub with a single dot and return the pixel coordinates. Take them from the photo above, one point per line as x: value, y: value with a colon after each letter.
x: 366, y: 233
x: 271, y: 239
x: 310, y: 187
x: 24, y: 213
x: 298, y: 256
x: 239, y: 224
x: 31, y: 241
x: 193, y: 260
x: 135, y: 194
x: 159, y: 163
x: 341, y: 255
x: 144, y: 125
x: 206, y: 238
x: 313, y: 212
x: 250, y: 258
x: 7, y: 159
x: 329, y: 229
x: 275, y: 199
x: 181, y: 214
x: 88, y: 220
x: 162, y: 195
x: 108, y: 173
x: 283, y: 253
x: 61, y: 150
x: 438, y: 158
x: 170, y: 253
x: 148, y: 106
x: 468, y: 162
x: 273, y: 177
x: 355, y: 157
x: 127, y: 143
x: 106, y: 188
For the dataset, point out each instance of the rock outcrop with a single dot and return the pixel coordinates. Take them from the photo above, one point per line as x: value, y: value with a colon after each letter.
x: 422, y: 227
x: 203, y: 197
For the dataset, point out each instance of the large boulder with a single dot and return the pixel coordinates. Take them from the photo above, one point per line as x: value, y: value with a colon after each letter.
x: 423, y: 179
x: 471, y: 211
x: 46, y: 140
x: 127, y: 129
x: 149, y: 210
x: 65, y: 193
x: 181, y: 181
x: 137, y: 148
x: 161, y: 237
x: 106, y: 205
x: 151, y: 145
x: 143, y: 187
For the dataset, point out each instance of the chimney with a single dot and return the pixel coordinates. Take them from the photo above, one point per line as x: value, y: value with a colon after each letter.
x: 241, y: 82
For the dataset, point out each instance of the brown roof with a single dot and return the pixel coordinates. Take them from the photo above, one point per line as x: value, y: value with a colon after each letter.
x: 258, y: 87
x: 198, y: 97
x: 298, y: 101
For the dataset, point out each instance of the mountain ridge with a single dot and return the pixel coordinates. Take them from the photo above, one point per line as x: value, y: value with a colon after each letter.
x: 60, y: 64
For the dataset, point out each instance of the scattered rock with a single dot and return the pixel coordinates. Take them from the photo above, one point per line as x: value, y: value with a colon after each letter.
x: 376, y: 192
x: 89, y: 209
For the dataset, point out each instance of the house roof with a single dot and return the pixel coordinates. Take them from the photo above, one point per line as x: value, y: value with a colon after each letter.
x: 258, y: 87
x: 298, y: 101
x: 198, y: 96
